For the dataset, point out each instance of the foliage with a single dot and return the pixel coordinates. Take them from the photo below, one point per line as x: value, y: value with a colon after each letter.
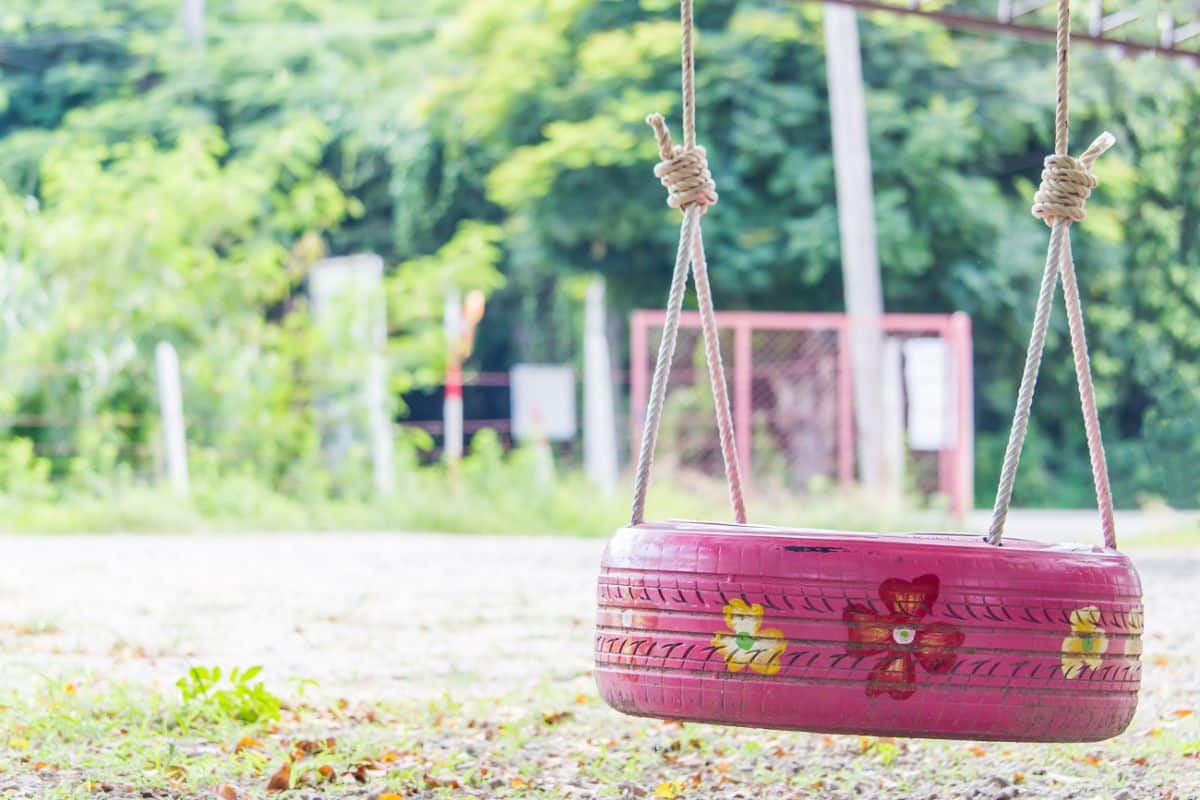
x: 239, y: 697
x: 151, y: 190
x: 957, y: 125
x: 494, y: 492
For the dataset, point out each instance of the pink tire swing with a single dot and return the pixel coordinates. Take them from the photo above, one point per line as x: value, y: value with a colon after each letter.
x: 921, y: 635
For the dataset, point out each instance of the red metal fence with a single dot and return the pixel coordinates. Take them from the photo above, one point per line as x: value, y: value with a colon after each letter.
x: 792, y: 392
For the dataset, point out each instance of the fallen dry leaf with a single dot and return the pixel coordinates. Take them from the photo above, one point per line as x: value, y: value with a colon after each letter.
x: 1018, y: 777
x: 307, y: 747
x: 282, y: 779
x: 978, y: 751
x: 519, y: 783
x: 226, y: 792
x: 1184, y: 712
x: 390, y: 796
x: 722, y: 767
x: 581, y: 698
x: 247, y: 743
x: 1091, y: 759
x: 667, y: 791
x: 327, y: 772
x: 1141, y: 761
x: 432, y: 783
x: 556, y: 717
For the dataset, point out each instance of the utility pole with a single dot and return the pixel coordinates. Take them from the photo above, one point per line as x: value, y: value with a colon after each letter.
x: 170, y: 409
x: 192, y: 15
x: 860, y: 260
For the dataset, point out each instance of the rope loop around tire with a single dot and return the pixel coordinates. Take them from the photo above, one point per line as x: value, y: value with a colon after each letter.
x: 1067, y: 183
x: 684, y: 172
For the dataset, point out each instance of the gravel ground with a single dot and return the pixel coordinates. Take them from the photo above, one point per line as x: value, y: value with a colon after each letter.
x: 405, y: 617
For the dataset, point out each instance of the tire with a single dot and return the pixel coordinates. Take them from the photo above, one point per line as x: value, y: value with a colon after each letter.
x: 921, y: 635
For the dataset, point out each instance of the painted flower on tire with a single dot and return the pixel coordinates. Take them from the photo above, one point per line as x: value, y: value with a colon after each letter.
x: 902, y: 636
x: 747, y: 643
x: 1086, y: 645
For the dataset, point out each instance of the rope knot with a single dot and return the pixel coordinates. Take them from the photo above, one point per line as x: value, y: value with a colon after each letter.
x: 684, y: 172
x: 1067, y: 183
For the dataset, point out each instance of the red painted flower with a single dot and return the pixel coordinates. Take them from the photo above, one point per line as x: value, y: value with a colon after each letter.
x: 902, y: 636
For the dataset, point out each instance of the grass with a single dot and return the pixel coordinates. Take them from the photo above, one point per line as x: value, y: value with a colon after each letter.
x: 504, y: 496
x: 1179, y: 537
x: 74, y: 740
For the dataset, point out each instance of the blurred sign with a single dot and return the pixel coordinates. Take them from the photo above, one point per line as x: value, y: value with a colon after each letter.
x: 543, y: 401
x: 347, y: 298
x: 350, y: 314
x: 928, y: 377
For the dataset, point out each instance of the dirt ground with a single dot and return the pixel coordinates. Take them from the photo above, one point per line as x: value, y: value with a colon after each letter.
x: 408, y: 617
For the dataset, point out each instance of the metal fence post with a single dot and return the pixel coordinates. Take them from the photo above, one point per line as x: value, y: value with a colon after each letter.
x: 743, y: 385
x: 639, y: 378
x: 960, y: 329
x: 170, y: 405
x: 845, y: 408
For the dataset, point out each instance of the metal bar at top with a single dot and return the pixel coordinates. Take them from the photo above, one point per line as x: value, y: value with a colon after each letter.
x: 801, y: 320
x: 956, y: 19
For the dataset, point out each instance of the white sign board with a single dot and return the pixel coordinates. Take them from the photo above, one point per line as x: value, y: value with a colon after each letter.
x: 543, y: 401
x: 350, y: 287
x: 928, y: 382
x: 350, y: 312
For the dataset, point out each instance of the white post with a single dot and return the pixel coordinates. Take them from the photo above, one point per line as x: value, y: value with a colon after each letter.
x: 170, y: 407
x: 375, y: 390
x: 599, y: 421
x: 856, y: 227
x: 379, y: 424
x: 452, y: 408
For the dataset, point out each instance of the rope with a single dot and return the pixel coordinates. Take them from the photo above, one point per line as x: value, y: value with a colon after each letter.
x: 1067, y: 183
x: 684, y: 172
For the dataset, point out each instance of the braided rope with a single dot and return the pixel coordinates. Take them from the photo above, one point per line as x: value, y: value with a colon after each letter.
x: 1067, y: 183
x: 684, y: 172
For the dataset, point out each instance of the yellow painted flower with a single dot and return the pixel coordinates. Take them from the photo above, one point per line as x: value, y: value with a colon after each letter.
x: 1086, y: 644
x: 1133, y: 645
x: 747, y: 643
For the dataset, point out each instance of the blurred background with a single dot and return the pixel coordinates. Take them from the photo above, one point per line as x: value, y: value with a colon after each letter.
x: 291, y: 264
x: 374, y: 266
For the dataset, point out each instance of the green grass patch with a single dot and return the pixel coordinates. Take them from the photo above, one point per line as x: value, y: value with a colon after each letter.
x: 1188, y: 536
x: 91, y: 737
x: 492, y: 492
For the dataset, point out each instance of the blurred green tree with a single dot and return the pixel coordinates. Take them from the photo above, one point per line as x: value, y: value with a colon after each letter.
x: 512, y: 133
